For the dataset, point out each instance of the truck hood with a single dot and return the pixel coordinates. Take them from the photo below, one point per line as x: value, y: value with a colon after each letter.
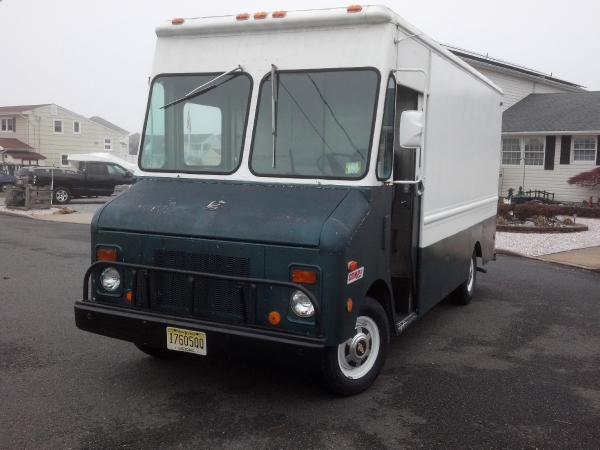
x: 274, y: 214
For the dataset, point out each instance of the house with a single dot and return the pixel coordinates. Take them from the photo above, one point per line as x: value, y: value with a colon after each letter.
x: 51, y: 133
x: 15, y: 154
x: 548, y: 138
x: 516, y: 81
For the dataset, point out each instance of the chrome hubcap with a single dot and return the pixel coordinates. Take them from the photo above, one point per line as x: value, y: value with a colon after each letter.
x: 357, y: 356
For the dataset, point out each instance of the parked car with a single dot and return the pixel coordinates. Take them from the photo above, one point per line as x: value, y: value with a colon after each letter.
x: 94, y: 178
x: 6, y: 179
x: 23, y: 174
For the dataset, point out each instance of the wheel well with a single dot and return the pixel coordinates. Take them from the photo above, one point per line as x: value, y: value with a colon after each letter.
x: 478, y: 249
x: 380, y: 292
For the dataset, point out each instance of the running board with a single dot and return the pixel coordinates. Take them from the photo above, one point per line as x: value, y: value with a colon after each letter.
x: 400, y: 326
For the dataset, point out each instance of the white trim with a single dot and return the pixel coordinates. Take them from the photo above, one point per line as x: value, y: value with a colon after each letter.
x: 549, y: 133
x: 62, y: 126
x: 522, y: 149
x: 588, y: 162
x: 78, y: 122
x: 61, y: 160
x: 12, y: 120
x: 459, y: 210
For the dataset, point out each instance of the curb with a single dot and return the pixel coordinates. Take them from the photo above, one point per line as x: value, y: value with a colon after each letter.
x: 501, y: 251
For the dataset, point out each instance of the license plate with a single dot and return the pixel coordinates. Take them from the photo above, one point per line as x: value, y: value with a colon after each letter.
x: 186, y: 341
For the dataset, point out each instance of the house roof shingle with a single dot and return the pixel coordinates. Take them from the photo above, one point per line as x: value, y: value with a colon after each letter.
x: 19, y: 109
x: 572, y: 111
x: 14, y: 144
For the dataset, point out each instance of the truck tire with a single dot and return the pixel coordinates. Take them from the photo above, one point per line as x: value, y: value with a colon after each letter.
x: 61, y: 196
x: 156, y: 352
x: 463, y: 294
x: 353, y: 366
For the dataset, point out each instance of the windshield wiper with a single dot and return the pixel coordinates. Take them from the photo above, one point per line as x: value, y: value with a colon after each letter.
x: 194, y: 93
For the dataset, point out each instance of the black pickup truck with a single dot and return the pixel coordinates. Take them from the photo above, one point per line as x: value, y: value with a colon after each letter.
x: 94, y: 178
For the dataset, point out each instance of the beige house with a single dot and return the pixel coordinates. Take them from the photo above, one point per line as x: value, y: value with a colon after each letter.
x: 55, y: 132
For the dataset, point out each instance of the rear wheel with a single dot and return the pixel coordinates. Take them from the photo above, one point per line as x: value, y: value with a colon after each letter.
x: 463, y: 294
x: 352, y: 366
x: 61, y: 195
x: 156, y: 352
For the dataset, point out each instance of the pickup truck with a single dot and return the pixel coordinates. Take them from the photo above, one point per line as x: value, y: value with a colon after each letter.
x: 94, y: 178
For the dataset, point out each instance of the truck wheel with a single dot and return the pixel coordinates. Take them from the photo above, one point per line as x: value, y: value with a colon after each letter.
x: 463, y: 294
x: 62, y: 195
x: 156, y: 352
x: 352, y: 366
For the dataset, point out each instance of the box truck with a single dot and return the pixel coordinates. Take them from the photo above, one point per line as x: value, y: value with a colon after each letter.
x: 310, y: 183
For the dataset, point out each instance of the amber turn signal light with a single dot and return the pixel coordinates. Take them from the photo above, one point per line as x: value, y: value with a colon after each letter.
x: 352, y: 265
x: 106, y: 254
x: 129, y: 296
x: 304, y: 276
x: 349, y: 305
x: 177, y: 21
x: 274, y: 318
x: 354, y: 8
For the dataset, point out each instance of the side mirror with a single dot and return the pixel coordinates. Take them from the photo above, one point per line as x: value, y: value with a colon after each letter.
x: 411, y: 129
x: 127, y: 174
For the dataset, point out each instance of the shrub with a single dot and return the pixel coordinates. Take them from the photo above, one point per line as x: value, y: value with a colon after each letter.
x: 504, y: 210
x: 541, y: 221
x: 528, y: 210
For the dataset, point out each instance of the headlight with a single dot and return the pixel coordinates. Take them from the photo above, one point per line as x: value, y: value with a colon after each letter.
x: 301, y: 305
x: 110, y: 279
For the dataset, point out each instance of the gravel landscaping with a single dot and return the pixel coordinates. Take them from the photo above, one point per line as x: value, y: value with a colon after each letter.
x: 538, y: 244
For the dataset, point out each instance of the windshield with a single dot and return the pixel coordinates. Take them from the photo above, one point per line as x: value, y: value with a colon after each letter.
x: 201, y: 134
x: 324, y: 123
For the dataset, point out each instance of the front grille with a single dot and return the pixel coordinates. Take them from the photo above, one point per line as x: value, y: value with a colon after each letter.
x: 211, y: 296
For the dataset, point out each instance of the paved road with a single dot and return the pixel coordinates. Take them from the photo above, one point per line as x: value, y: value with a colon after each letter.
x: 518, y: 368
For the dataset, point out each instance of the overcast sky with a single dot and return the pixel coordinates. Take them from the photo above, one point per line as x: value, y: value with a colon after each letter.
x: 94, y: 57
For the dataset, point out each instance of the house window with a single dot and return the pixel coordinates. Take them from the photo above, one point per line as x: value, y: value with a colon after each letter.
x: 64, y: 160
x: 511, y: 152
x: 58, y: 126
x: 584, y: 149
x: 107, y: 144
x: 76, y: 127
x: 516, y: 151
x: 8, y: 124
x: 534, y: 151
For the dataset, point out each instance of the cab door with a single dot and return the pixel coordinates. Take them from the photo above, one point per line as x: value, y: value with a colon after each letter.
x: 406, y: 209
x: 97, y: 179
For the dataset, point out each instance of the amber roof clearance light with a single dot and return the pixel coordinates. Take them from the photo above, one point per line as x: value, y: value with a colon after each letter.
x: 177, y: 21
x: 279, y: 14
x: 354, y: 8
x: 242, y: 16
x: 260, y: 15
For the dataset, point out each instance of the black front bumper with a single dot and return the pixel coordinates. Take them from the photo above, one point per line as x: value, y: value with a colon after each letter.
x: 145, y: 327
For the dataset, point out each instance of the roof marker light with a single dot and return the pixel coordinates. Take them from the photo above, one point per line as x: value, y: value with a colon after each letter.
x: 354, y: 8
x: 278, y: 14
x: 260, y: 15
x: 242, y: 16
x: 177, y: 21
